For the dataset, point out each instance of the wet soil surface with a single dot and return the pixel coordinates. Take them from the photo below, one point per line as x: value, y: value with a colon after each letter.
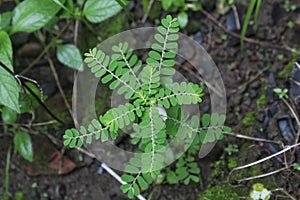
x: 249, y: 76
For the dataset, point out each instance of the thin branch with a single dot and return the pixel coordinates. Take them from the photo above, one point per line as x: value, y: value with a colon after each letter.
x: 31, y: 125
x: 264, y: 159
x: 148, y: 11
x: 297, y: 120
x: 262, y: 175
x: 58, y: 84
x: 108, y: 169
x: 285, y: 192
x: 251, y: 138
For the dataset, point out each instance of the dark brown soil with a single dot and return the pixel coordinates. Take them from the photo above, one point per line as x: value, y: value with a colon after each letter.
x: 246, y: 76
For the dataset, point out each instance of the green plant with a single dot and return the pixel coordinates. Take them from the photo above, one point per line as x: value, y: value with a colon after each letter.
x: 181, y: 6
x: 19, y: 94
x: 288, y: 6
x: 17, y: 195
x: 259, y: 192
x: 32, y: 15
x: 219, y: 193
x: 262, y: 100
x: 282, y: 93
x: 222, y: 6
x: 230, y: 149
x: 154, y: 113
x: 253, y: 4
x: 296, y: 166
x: 249, y: 119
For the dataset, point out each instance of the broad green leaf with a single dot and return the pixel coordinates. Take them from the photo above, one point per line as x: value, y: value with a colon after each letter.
x: 69, y: 55
x: 6, y: 50
x: 179, y: 3
x: 166, y: 4
x: 5, y: 20
x: 8, y: 115
x: 22, y: 142
x: 31, y: 15
x: 183, y: 19
x: 97, y: 11
x: 9, y: 88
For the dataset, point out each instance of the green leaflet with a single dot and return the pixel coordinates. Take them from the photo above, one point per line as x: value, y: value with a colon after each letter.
x: 212, y: 128
x: 182, y: 93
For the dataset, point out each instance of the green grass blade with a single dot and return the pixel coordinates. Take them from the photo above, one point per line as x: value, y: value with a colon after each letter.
x: 121, y: 3
x: 246, y: 21
x: 258, y: 3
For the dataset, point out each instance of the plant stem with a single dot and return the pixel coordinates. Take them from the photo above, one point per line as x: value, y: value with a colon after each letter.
x: 285, y: 192
x: 7, y: 170
x: 58, y: 84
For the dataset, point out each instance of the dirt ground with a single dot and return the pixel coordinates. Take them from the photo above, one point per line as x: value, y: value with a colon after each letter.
x: 247, y: 75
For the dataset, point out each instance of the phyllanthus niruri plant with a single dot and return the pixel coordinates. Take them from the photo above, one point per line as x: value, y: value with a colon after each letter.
x: 154, y: 112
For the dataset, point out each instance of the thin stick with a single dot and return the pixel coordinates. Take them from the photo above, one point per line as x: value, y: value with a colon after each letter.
x: 33, y: 124
x: 58, y: 84
x: 292, y: 111
x: 108, y: 169
x: 285, y: 192
x: 251, y: 138
x: 262, y: 175
x: 264, y: 159
x: 249, y: 40
x: 236, y: 17
x: 297, y: 120
x: 148, y: 11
